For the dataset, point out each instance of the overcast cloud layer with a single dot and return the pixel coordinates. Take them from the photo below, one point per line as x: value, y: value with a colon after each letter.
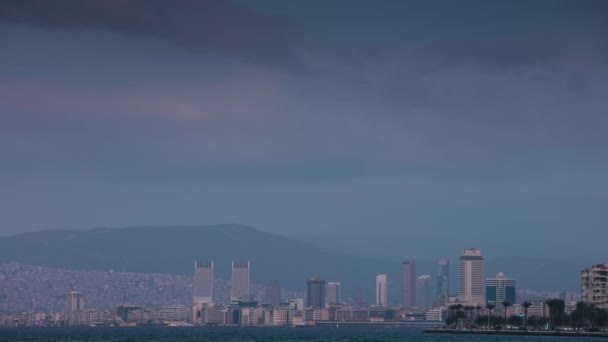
x: 436, y: 124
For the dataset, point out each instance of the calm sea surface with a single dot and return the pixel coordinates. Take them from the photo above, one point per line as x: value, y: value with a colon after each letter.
x: 253, y: 334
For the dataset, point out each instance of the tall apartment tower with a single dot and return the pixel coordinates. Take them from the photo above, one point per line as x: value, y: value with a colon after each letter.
x: 408, y: 283
x: 443, y: 280
x: 333, y: 292
x: 240, y: 281
x: 272, y: 293
x: 203, y: 282
x: 315, y: 293
x: 423, y: 291
x: 471, y: 277
x: 594, y: 285
x: 381, y: 280
x: 499, y: 289
x: 75, y: 301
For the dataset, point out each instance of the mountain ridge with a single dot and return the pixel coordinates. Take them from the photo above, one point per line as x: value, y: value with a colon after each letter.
x: 173, y: 249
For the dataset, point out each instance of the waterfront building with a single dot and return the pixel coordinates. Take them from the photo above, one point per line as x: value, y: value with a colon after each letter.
x: 214, y: 316
x: 594, y: 285
x: 435, y: 315
x: 471, y: 277
x: 499, y: 289
x: 122, y: 311
x: 296, y: 304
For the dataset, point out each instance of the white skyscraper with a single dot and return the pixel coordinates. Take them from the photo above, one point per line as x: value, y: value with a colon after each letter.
x: 381, y: 290
x: 203, y: 282
x: 471, y: 289
x: 240, y: 281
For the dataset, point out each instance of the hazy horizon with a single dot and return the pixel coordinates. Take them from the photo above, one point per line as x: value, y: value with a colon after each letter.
x: 408, y: 126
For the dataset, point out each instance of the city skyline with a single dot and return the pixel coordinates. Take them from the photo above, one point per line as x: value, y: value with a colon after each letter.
x: 315, y: 309
x: 395, y: 163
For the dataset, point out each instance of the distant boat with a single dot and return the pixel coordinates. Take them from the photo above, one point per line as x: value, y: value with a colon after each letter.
x: 180, y: 324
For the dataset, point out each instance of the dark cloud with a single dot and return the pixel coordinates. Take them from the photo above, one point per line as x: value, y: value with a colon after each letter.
x: 494, y: 54
x: 213, y: 26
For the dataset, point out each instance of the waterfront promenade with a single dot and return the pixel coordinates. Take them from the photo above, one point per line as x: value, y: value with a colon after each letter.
x: 519, y: 332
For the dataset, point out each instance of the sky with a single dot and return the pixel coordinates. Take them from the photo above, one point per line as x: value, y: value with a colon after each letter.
x: 397, y: 127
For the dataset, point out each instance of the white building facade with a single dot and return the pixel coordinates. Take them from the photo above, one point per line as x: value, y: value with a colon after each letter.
x: 381, y: 280
x: 594, y: 285
x: 471, y: 289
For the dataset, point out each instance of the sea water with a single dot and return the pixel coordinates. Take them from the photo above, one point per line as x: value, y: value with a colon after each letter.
x: 235, y: 334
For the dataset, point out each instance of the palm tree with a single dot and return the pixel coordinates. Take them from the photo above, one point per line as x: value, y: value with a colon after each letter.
x: 453, y: 308
x: 556, y: 309
x: 505, y: 304
x: 491, y: 308
x: 526, y: 305
x: 468, y: 309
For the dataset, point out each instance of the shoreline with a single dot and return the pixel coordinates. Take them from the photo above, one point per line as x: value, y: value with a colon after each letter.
x: 518, y: 332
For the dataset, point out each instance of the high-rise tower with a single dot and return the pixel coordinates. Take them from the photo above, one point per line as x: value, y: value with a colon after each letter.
x: 240, y: 281
x: 272, y: 293
x: 408, y: 283
x: 500, y: 289
x: 423, y: 291
x: 471, y: 277
x: 315, y: 293
x: 75, y: 301
x: 381, y: 280
x: 203, y: 282
x: 333, y: 292
x: 443, y: 280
